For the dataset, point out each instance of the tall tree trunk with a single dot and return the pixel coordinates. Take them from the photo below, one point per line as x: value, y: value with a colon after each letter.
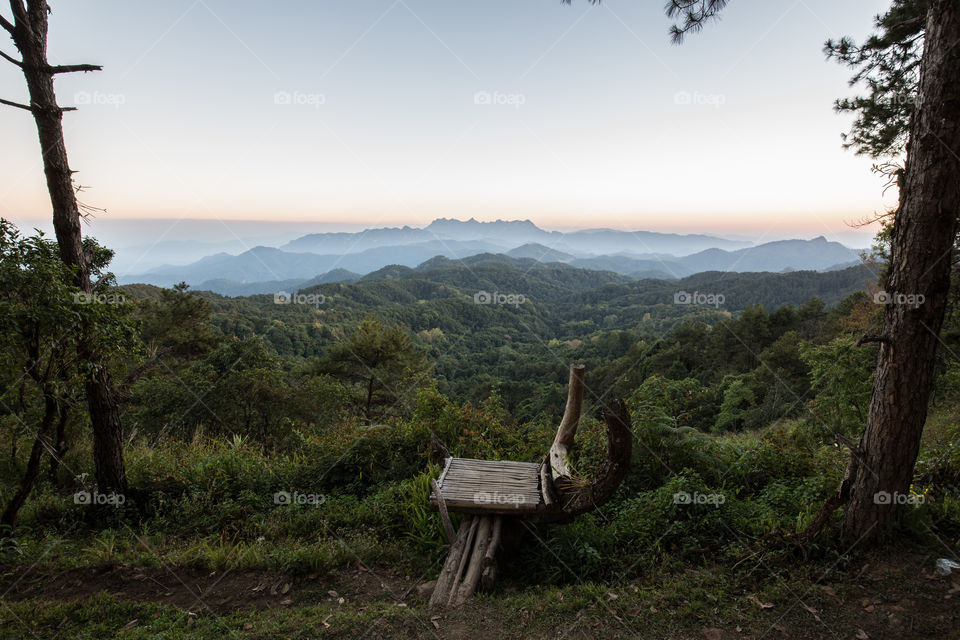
x: 30, y: 37
x: 920, y: 260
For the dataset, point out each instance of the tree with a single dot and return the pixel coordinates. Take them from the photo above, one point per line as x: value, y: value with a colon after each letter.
x: 382, y: 362
x: 29, y: 33
x: 841, y: 374
x: 737, y: 399
x: 921, y: 245
x: 922, y: 240
x: 39, y: 304
x: 179, y: 324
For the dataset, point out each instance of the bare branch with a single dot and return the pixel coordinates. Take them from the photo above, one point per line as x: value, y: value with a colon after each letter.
x: 867, y: 338
x: 11, y: 59
x: 53, y: 70
x: 6, y: 25
x: 567, y: 431
x: 73, y: 68
x: 15, y: 104
x: 35, y: 107
x: 19, y: 13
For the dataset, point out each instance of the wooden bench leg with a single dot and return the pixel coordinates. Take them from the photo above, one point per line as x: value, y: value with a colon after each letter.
x: 472, y: 556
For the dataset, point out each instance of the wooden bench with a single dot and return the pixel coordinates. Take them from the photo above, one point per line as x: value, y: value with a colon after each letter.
x: 493, y: 495
x: 483, y: 487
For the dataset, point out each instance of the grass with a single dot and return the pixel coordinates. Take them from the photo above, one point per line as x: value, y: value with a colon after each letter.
x: 643, y: 565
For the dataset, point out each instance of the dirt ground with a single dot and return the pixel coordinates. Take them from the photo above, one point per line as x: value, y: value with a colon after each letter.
x: 891, y: 598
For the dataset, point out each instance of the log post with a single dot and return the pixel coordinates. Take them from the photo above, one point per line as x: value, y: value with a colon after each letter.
x: 472, y: 557
x: 444, y: 515
x: 442, y: 591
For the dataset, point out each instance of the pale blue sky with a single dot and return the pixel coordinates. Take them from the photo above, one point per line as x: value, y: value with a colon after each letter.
x: 385, y: 128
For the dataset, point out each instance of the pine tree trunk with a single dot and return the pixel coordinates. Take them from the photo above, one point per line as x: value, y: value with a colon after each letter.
x: 923, y: 236
x: 31, y: 40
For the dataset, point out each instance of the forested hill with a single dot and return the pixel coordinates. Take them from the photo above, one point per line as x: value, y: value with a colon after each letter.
x: 520, y: 295
x: 492, y: 319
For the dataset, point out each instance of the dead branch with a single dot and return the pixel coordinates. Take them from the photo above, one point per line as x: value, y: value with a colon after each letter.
x: 73, y: 68
x: 574, y: 499
x: 7, y: 26
x: 869, y: 337
x: 567, y: 432
x: 16, y: 104
x: 11, y: 59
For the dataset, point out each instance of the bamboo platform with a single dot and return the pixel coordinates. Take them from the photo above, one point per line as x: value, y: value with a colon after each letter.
x: 489, y: 487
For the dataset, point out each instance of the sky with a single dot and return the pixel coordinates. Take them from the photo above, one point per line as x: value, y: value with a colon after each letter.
x: 389, y: 112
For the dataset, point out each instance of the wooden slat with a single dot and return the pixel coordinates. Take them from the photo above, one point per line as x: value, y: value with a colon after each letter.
x: 489, y: 486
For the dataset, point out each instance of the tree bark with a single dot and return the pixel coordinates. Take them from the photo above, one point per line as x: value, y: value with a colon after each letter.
x: 920, y: 260
x: 30, y: 37
x: 567, y: 431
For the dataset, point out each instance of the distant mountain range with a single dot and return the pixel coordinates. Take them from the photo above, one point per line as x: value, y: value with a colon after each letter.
x: 342, y: 257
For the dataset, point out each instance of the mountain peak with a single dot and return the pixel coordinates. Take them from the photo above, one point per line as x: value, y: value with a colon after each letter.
x: 473, y: 222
